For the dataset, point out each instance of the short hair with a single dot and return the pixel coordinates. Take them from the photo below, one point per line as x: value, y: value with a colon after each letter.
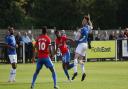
x: 56, y: 32
x: 44, y: 30
x: 86, y: 17
x: 10, y: 28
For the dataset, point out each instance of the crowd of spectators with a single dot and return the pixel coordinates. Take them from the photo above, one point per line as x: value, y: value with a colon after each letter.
x: 112, y: 35
x: 28, y: 40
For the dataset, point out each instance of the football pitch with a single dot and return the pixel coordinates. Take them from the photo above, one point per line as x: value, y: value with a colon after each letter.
x: 100, y: 75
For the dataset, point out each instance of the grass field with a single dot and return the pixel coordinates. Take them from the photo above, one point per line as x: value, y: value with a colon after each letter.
x: 100, y: 75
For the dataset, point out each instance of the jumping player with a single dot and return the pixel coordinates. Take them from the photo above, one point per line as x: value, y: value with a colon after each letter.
x: 82, y: 47
x: 43, y: 45
x: 61, y: 44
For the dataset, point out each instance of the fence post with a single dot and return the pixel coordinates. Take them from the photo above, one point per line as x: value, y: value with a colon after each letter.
x: 116, y: 50
x: 23, y: 52
x: 55, y: 55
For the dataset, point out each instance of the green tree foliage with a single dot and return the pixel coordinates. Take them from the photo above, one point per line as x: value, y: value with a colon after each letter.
x: 105, y: 14
x: 10, y: 13
x: 61, y: 13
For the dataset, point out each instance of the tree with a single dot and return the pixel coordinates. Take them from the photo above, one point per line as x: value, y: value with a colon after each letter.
x: 10, y: 14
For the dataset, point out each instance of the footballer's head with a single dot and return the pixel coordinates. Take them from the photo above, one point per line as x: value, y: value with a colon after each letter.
x: 85, y: 20
x: 57, y: 33
x: 11, y: 30
x: 44, y: 30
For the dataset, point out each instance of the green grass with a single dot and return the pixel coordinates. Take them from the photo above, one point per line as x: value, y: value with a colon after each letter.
x: 100, y: 75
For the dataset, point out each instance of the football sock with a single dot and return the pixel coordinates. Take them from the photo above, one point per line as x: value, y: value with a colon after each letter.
x: 14, y: 74
x: 66, y: 72
x: 11, y: 75
x: 54, y: 78
x: 75, y: 65
x: 34, y: 77
x: 82, y: 68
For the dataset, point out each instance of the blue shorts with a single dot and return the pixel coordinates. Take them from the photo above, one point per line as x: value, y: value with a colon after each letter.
x: 66, y: 57
x: 44, y: 61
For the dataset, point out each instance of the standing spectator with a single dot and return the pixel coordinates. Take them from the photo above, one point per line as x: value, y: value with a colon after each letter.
x: 11, y: 44
x: 126, y: 36
x: 112, y: 36
x: 31, y: 45
x: 120, y: 37
x: 97, y: 37
x: 105, y: 36
x: 31, y: 38
x: 18, y: 42
x: 26, y: 40
x: 63, y: 33
x: 126, y: 33
x: 77, y: 34
x: 18, y: 38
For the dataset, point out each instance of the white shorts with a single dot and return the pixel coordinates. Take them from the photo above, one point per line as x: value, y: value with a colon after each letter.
x: 81, y: 49
x: 13, y: 58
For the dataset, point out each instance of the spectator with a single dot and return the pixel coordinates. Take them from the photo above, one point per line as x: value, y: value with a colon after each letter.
x: 32, y: 43
x: 18, y: 42
x: 25, y: 38
x: 119, y: 44
x: 31, y: 38
x: 126, y: 33
x: 28, y: 47
x: 63, y: 33
x: 97, y: 37
x: 112, y: 36
x: 105, y: 36
x: 18, y: 38
x: 121, y: 35
x: 77, y: 34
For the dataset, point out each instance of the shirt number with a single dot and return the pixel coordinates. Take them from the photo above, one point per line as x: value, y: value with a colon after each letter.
x: 42, y: 46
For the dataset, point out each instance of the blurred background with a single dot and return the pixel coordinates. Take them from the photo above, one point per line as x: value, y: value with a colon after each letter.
x: 63, y: 14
